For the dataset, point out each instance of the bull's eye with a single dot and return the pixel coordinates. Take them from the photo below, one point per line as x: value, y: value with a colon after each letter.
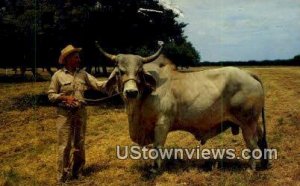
x: 122, y: 72
x: 139, y: 71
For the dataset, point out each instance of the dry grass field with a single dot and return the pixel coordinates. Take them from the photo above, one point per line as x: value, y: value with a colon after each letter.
x: 28, y: 142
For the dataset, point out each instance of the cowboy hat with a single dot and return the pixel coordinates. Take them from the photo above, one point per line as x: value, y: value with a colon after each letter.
x: 69, y: 49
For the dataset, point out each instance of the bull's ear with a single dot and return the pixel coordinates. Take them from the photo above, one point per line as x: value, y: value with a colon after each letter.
x: 111, y: 86
x: 150, y: 81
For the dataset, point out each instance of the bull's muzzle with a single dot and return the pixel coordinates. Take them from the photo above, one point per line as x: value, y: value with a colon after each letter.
x: 131, y: 94
x: 130, y: 89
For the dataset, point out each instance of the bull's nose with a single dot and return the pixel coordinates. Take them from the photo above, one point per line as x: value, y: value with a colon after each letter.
x: 131, y: 93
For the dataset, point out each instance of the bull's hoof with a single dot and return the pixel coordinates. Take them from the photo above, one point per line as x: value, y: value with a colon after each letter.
x: 154, y: 172
x: 250, y: 171
x: 155, y: 169
x: 252, y: 165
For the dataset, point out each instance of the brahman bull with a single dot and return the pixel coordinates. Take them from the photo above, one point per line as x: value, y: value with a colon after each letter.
x: 160, y: 99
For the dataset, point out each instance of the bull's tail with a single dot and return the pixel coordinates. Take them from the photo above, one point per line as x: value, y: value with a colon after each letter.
x: 262, y: 141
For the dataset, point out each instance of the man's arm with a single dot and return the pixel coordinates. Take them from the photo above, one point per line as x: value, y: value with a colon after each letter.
x: 95, y: 84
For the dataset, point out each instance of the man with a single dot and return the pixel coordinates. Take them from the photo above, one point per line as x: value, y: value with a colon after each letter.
x: 67, y: 89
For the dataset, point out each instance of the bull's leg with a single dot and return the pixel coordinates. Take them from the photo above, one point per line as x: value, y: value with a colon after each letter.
x: 160, y: 135
x: 250, y: 137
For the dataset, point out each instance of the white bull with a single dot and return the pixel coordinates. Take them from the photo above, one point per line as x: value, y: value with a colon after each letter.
x: 160, y: 99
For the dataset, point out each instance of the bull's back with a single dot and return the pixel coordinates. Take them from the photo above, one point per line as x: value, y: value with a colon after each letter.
x: 205, y: 98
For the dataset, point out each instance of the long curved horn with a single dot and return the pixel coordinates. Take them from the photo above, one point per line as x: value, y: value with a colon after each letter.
x: 109, y: 56
x: 154, y: 56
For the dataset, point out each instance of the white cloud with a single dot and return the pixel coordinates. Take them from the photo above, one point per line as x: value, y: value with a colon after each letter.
x: 243, y: 30
x: 167, y: 4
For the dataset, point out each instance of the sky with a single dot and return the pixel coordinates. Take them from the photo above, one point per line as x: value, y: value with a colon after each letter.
x: 242, y: 30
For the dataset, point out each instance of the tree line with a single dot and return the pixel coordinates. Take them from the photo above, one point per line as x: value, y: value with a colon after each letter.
x: 295, y: 61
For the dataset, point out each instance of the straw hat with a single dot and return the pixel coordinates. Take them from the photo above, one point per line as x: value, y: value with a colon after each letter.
x: 69, y: 49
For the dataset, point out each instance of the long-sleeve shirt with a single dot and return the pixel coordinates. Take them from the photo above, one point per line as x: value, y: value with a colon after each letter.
x: 65, y: 83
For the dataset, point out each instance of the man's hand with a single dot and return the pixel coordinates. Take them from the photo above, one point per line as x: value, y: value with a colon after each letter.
x: 69, y: 101
x: 102, y: 86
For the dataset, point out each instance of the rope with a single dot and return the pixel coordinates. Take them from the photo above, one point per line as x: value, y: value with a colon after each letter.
x: 101, y: 99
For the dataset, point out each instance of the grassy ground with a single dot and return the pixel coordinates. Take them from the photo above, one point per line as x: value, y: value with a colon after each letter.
x: 28, y: 142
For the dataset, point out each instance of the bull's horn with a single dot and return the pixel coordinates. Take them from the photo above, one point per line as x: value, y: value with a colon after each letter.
x: 154, y: 56
x: 109, y: 56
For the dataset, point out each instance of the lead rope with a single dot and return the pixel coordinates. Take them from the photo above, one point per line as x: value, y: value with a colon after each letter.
x: 101, y: 99
x: 118, y: 91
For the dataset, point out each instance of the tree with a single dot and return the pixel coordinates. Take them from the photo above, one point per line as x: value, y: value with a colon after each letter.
x: 297, y: 59
x: 182, y: 54
x: 46, y: 26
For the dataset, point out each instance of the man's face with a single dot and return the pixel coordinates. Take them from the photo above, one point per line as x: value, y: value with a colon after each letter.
x: 73, y: 60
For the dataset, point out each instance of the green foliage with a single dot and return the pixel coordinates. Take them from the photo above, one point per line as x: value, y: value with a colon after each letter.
x: 11, y: 177
x: 45, y: 27
x: 183, y: 54
x: 143, y: 51
x: 280, y: 121
x: 297, y: 58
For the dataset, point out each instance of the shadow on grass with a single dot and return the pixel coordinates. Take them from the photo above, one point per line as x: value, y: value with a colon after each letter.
x: 21, y: 79
x: 27, y: 101
x: 179, y: 165
x: 94, y: 168
x: 11, y: 177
